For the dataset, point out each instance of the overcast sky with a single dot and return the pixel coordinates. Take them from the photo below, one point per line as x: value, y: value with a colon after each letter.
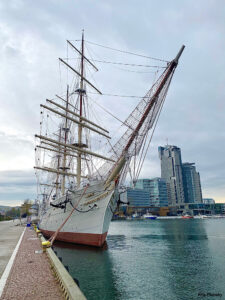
x: 32, y: 37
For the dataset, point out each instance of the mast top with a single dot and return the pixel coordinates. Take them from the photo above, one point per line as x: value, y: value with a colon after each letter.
x: 176, y: 59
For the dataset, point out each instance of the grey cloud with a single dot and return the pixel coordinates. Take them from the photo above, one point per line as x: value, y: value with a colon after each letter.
x: 16, y: 186
x: 33, y: 35
x: 17, y: 178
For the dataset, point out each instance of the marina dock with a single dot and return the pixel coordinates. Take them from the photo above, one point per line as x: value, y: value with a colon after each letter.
x: 32, y: 274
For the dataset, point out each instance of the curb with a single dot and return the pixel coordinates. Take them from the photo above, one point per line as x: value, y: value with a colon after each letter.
x: 70, y: 289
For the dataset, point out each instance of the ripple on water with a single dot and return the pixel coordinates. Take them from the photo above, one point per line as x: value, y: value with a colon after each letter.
x: 171, y: 260
x: 171, y: 237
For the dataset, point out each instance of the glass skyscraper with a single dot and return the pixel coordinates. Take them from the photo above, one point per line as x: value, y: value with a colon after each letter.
x: 171, y: 171
x: 192, y: 184
x: 179, y: 183
x: 183, y: 181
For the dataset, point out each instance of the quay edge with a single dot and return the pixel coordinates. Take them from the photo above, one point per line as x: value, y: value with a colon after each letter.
x: 70, y: 289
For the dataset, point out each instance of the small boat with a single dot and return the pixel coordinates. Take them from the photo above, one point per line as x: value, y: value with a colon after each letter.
x: 135, y: 216
x: 206, y: 216
x: 199, y: 217
x: 149, y: 216
x: 186, y: 216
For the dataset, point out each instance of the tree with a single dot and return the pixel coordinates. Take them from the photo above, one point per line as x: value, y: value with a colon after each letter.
x: 25, y: 208
x: 14, y: 212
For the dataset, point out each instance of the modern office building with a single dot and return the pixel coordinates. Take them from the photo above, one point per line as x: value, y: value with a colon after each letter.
x: 171, y: 171
x: 143, y: 184
x: 202, y: 208
x: 208, y: 201
x: 219, y: 208
x: 192, y: 184
x: 157, y: 189
x: 158, y: 192
x: 136, y: 197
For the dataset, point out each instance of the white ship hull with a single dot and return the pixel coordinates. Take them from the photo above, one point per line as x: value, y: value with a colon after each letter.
x: 89, y: 222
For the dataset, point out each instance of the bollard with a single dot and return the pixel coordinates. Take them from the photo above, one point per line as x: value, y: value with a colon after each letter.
x: 46, y: 245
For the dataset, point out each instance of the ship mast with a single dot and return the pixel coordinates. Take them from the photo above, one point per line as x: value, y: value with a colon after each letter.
x: 66, y: 148
x: 66, y: 130
x: 58, y: 164
x: 81, y: 104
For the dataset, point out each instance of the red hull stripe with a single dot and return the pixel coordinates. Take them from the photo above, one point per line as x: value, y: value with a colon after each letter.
x: 91, y: 239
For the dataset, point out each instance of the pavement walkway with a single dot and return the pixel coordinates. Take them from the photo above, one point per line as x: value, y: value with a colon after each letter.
x: 31, y: 276
x: 9, y: 236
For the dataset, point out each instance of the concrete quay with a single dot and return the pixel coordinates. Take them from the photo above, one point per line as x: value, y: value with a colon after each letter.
x: 9, y: 236
x: 37, y: 275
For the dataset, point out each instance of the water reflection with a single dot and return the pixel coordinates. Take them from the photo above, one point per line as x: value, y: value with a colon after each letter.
x: 161, y: 259
x: 92, y: 267
x: 172, y: 237
x: 188, y: 259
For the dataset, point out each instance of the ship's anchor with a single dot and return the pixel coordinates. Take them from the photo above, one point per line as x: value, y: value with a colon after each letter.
x: 63, y: 204
x: 84, y: 211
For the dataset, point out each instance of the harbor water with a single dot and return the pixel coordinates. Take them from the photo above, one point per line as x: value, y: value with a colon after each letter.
x: 152, y: 259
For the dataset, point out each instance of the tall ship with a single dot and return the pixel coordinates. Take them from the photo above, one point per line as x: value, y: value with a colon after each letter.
x: 80, y: 171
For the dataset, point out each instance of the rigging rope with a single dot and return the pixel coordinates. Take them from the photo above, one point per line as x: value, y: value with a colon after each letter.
x: 121, y: 96
x: 117, y: 63
x: 157, y: 118
x: 127, y: 64
x: 107, y: 111
x: 132, y: 71
x: 127, y: 52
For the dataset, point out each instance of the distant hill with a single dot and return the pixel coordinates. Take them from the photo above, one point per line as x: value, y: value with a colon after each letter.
x: 6, y: 208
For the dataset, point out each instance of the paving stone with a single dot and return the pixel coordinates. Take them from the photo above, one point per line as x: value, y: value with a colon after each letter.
x: 31, y: 276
